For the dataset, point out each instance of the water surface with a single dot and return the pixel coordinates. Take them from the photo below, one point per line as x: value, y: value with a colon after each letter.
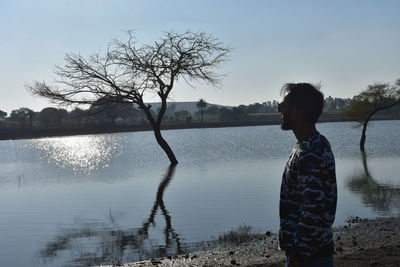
x: 73, y: 201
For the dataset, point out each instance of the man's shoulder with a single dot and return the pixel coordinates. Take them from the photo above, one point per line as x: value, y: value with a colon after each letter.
x: 321, y: 143
x: 317, y: 147
x: 316, y: 143
x: 317, y: 158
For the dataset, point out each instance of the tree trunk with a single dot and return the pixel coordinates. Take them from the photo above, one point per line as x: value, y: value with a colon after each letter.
x: 156, y: 125
x: 364, y: 130
x: 164, y: 145
x: 363, y: 136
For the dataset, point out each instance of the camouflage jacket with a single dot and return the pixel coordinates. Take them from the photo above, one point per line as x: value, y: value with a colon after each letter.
x: 308, y: 199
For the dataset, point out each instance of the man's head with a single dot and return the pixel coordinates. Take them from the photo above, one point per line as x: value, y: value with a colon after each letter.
x: 302, y: 104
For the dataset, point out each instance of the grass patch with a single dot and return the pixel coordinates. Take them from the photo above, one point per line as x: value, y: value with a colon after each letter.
x: 242, y: 234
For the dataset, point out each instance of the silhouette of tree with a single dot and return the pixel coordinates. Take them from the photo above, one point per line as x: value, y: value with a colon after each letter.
x: 22, y: 116
x: 381, y: 197
x: 127, y: 73
x: 2, y: 115
x: 255, y: 108
x: 226, y: 114
x: 239, y: 112
x: 201, y: 105
x: 213, y: 110
x: 333, y: 104
x: 52, y: 117
x: 116, y: 246
x: 181, y: 114
x: 377, y: 97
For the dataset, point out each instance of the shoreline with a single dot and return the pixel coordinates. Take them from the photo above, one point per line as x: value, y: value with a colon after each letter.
x: 42, y: 133
x: 362, y: 242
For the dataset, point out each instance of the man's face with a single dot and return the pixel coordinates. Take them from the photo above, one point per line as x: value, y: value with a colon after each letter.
x: 286, y: 115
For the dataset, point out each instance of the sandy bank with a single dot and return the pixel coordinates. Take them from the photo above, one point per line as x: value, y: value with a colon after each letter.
x: 363, y: 242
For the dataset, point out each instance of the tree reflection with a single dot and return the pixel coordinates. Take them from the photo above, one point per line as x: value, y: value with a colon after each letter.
x: 383, y: 198
x: 93, y: 243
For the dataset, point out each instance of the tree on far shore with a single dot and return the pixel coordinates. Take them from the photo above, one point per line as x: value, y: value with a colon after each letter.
x: 201, y: 105
x: 126, y: 73
x: 377, y: 97
x: 2, y: 114
x: 23, y: 116
x: 52, y: 117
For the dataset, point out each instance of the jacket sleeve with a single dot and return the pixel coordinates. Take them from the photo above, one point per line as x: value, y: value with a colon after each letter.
x: 311, y: 226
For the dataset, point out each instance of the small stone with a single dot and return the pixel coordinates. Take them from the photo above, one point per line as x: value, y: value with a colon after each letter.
x: 193, y: 257
x: 340, y: 249
x: 233, y: 262
x: 231, y: 252
x: 155, y: 262
x: 186, y: 256
x: 268, y: 233
x: 267, y: 256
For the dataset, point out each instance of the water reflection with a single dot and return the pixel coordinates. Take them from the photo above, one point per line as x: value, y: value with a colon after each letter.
x: 383, y: 198
x: 106, y: 243
x: 80, y: 153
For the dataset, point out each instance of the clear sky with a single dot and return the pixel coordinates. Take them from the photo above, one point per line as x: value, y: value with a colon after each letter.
x: 345, y: 45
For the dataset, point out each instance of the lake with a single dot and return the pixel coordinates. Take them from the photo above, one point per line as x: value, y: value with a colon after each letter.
x: 111, y: 198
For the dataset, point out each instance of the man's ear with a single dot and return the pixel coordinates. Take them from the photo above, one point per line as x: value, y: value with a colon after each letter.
x: 295, y: 111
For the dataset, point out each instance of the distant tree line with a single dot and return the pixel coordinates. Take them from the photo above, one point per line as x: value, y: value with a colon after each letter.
x: 126, y: 114
x: 95, y: 115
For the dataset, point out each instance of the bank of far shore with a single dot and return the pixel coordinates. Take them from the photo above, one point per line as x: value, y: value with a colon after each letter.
x: 12, y: 134
x: 363, y: 242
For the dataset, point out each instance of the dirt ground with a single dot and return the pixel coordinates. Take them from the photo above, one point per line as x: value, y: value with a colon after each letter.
x: 388, y: 257
x: 362, y: 242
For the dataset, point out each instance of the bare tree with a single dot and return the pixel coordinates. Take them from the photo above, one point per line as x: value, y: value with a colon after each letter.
x: 377, y: 97
x: 127, y: 73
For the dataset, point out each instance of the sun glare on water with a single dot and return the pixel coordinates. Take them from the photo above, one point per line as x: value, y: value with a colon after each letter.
x: 81, y: 153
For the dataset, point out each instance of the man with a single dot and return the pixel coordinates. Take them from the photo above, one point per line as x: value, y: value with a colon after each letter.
x: 308, y: 191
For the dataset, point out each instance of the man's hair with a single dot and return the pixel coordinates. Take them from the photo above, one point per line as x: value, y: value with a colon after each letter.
x: 306, y: 97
